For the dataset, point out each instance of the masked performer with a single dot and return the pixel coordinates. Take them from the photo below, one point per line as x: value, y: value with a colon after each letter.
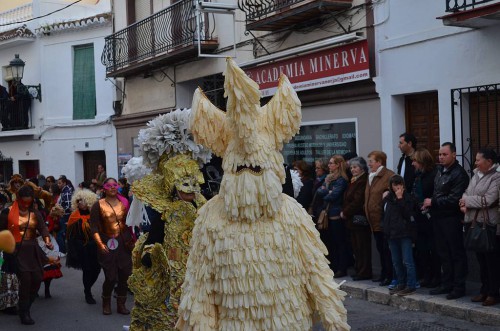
x: 256, y: 261
x: 169, y: 197
x: 23, y: 221
x: 114, y: 243
x: 82, y: 248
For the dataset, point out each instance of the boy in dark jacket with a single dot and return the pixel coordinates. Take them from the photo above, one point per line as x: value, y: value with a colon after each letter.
x: 399, y: 227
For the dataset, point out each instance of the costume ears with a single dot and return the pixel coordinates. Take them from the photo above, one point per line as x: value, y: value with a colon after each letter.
x: 208, y: 124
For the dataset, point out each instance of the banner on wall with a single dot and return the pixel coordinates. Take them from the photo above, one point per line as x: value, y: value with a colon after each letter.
x: 333, y: 66
x: 322, y: 140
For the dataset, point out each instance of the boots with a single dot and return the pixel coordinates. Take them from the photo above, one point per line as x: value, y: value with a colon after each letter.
x: 24, y: 313
x: 89, y: 298
x: 120, y: 302
x: 106, y: 305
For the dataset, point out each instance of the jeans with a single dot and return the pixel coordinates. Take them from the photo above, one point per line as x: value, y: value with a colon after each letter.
x: 61, y: 234
x: 402, y: 260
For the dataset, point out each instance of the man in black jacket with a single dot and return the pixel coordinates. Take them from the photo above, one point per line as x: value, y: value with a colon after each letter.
x: 449, y: 185
x: 407, y: 145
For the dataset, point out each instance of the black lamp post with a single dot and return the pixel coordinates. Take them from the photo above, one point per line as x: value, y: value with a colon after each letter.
x: 16, y: 71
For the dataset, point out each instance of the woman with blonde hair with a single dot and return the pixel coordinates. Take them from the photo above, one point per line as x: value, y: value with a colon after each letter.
x: 335, y: 235
x: 82, y: 248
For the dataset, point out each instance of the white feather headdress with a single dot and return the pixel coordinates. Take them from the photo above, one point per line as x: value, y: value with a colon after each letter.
x: 135, y: 169
x: 170, y: 133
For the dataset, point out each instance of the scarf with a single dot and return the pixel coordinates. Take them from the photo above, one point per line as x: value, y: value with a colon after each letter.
x: 355, y: 178
x: 73, y: 219
x: 373, y: 174
x: 13, y: 221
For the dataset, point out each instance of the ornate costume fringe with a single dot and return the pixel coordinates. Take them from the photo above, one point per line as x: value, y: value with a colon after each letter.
x: 265, y: 275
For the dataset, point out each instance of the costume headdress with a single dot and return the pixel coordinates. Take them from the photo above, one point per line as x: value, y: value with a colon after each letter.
x: 249, y: 138
x: 167, y: 147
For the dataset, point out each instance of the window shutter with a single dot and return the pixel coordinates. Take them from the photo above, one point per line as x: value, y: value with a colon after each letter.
x: 84, y: 93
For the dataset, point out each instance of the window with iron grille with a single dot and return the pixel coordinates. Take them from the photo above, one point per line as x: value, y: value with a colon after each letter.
x: 84, y: 95
x: 479, y: 110
x: 213, y: 87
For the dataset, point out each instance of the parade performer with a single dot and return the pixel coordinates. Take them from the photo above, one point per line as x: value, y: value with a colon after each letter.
x: 114, y: 242
x: 169, y: 197
x: 82, y: 248
x: 23, y: 221
x: 256, y: 261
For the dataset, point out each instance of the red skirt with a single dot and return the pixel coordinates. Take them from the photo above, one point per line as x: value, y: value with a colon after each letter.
x: 51, y: 272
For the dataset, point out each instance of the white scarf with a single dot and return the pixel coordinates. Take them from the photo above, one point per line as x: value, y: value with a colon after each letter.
x: 373, y: 174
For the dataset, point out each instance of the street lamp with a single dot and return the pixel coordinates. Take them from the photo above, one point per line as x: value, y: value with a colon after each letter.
x: 16, y: 71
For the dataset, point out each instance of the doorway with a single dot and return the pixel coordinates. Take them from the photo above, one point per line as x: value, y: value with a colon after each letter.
x: 422, y: 120
x: 29, y: 168
x: 90, y: 162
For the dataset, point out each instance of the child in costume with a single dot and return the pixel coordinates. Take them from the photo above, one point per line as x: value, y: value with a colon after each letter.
x: 256, y: 261
x: 168, y: 198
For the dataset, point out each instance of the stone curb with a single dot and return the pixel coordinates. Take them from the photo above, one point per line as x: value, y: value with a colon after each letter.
x: 421, y: 301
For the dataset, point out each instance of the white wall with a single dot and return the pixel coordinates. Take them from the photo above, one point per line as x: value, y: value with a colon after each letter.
x: 417, y: 53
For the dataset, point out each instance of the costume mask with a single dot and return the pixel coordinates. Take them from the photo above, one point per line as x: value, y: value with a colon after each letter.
x: 110, y: 185
x: 249, y: 138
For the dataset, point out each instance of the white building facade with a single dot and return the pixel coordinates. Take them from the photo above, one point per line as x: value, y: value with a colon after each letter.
x: 69, y: 131
x: 438, y: 74
x: 326, y: 46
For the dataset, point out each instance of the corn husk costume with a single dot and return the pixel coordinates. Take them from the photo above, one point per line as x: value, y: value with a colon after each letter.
x: 167, y: 147
x: 256, y: 261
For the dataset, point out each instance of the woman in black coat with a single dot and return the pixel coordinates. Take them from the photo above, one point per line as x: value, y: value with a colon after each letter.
x: 360, y: 235
x: 426, y: 257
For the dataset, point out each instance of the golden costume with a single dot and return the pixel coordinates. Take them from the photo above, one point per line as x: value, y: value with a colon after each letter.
x: 157, y: 284
x: 256, y: 261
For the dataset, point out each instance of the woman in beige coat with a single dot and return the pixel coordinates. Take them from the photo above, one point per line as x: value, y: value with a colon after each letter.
x: 378, y: 183
x: 483, y: 189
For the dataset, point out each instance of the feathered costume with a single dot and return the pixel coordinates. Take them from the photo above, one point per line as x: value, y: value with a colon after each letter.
x: 256, y: 261
x: 159, y: 257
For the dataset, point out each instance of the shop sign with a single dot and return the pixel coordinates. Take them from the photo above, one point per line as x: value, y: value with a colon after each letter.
x: 333, y: 66
x: 321, y: 140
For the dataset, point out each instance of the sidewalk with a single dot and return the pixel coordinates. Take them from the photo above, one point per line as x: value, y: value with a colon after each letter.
x: 461, y: 308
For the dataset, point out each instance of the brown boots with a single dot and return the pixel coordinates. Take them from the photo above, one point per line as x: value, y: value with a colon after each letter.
x: 106, y: 305
x: 120, y: 303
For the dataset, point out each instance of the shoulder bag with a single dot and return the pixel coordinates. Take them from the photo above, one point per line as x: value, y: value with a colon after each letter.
x: 360, y: 220
x: 322, y: 222
x: 481, y: 238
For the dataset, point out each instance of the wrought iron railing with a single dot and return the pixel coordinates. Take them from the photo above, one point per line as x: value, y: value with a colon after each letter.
x: 15, y: 114
x: 165, y: 31
x: 478, y: 110
x: 257, y: 10
x: 462, y: 5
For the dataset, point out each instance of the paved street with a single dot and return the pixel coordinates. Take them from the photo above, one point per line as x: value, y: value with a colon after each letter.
x: 67, y: 311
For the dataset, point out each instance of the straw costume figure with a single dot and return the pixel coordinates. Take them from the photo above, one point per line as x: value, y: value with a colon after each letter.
x: 168, y: 198
x: 256, y: 261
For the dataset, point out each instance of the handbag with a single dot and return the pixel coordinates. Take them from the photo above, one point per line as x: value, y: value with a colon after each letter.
x: 9, y: 290
x: 479, y: 238
x: 360, y: 220
x: 323, y: 218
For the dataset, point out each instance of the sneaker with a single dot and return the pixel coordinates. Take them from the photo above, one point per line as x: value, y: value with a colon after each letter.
x: 397, y: 289
x: 406, y: 291
x: 393, y: 284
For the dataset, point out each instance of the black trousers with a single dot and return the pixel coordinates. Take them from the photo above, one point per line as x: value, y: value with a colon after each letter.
x: 384, y: 253
x: 361, y: 239
x: 449, y: 239
x: 489, y: 270
x: 29, y: 284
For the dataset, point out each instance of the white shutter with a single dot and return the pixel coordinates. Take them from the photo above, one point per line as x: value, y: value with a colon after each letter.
x: 142, y: 9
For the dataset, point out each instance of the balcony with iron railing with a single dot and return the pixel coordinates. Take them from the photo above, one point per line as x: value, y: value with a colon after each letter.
x: 15, y: 113
x: 168, y: 36
x: 472, y: 13
x: 272, y: 15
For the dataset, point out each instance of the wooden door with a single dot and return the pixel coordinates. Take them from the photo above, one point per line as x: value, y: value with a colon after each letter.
x: 422, y: 119
x: 90, y: 162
